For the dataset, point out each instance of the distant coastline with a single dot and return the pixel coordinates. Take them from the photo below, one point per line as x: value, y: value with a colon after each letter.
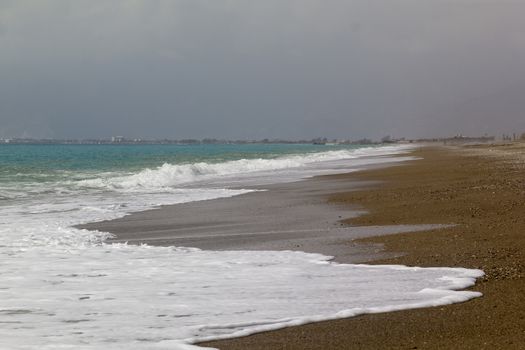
x: 120, y: 140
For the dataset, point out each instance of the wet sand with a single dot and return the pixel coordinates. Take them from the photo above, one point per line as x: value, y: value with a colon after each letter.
x: 482, y: 191
x: 289, y: 216
x: 479, y: 192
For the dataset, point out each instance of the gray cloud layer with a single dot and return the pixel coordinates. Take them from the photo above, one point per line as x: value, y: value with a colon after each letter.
x: 251, y: 69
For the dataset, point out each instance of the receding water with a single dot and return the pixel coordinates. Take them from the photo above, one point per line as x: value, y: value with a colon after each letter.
x: 62, y: 287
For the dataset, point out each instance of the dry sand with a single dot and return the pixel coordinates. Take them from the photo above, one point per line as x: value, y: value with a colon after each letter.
x: 482, y: 191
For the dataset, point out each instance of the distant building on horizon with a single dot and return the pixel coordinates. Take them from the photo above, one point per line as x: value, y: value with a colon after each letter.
x: 117, y: 139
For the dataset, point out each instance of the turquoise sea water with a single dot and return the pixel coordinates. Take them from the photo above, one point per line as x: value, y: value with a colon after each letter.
x: 35, y: 170
x: 63, y: 287
x: 22, y: 163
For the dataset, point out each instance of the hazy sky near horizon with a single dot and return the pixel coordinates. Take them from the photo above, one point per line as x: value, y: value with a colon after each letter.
x: 267, y: 68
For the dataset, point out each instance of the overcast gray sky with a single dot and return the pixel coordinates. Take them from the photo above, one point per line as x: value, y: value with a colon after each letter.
x: 261, y: 68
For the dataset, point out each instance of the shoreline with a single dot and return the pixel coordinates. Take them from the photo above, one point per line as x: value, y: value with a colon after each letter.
x: 347, y: 195
x: 285, y: 216
x: 479, y: 189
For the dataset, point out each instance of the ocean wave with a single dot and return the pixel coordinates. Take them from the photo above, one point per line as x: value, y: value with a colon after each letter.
x: 171, y: 175
x: 76, y: 289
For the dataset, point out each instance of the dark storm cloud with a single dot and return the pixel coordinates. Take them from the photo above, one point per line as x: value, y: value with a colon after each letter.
x: 252, y: 69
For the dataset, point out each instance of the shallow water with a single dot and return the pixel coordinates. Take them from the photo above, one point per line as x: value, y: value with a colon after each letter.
x: 62, y: 287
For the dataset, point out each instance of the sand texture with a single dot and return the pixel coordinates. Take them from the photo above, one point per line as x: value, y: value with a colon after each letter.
x: 481, y: 190
x: 289, y: 216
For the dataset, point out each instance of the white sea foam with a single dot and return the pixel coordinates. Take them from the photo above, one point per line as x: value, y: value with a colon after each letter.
x: 65, y: 288
x: 171, y: 175
x: 124, y: 297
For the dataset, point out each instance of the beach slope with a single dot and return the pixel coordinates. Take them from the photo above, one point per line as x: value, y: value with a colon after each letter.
x: 480, y: 190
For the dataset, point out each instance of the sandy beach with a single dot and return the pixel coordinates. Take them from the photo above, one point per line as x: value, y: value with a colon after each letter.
x: 255, y: 175
x: 477, y: 193
x: 288, y: 216
x: 481, y: 190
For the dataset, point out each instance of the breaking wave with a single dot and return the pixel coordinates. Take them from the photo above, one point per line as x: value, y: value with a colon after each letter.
x: 171, y: 175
